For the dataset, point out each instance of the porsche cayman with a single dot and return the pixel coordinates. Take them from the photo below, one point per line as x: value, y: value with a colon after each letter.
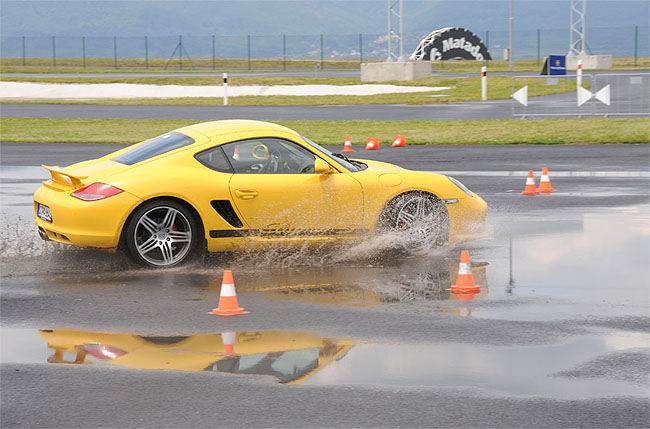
x: 228, y: 185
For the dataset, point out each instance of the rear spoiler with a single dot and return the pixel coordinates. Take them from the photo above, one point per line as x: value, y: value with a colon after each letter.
x: 63, y: 177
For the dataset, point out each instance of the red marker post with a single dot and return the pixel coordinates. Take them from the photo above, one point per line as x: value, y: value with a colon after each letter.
x: 484, y: 83
x: 225, y: 89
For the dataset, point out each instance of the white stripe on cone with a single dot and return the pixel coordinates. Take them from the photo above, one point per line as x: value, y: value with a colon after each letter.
x: 228, y: 290
x: 228, y: 337
x: 530, y: 181
x: 464, y: 268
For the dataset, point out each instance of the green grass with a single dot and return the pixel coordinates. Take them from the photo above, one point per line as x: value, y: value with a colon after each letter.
x: 461, y: 89
x: 157, y: 65
x: 546, y: 131
x: 204, y: 65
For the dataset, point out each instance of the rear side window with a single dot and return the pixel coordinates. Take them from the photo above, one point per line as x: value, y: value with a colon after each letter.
x: 155, y: 146
x: 215, y: 159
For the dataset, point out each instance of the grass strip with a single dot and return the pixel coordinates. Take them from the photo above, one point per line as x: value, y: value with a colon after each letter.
x: 508, y: 131
x: 205, y: 65
x: 460, y: 89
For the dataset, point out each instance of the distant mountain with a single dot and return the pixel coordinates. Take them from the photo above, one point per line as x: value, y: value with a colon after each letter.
x: 610, y: 25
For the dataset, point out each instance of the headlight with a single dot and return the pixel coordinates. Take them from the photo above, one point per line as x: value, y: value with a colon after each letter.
x: 460, y: 185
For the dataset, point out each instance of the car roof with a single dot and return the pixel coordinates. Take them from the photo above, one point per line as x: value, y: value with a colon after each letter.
x: 218, y: 128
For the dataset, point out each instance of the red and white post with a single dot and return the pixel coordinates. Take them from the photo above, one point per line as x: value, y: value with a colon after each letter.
x: 484, y: 83
x: 225, y: 89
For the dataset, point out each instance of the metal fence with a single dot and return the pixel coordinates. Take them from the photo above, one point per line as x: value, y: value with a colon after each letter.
x: 528, y: 44
x: 603, y: 94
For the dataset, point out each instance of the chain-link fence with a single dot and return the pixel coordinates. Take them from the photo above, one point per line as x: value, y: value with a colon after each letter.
x: 206, y: 51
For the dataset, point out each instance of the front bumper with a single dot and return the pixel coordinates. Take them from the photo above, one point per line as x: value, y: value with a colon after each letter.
x: 467, y: 219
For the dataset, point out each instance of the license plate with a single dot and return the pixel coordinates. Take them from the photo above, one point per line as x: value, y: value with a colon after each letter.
x: 44, y: 212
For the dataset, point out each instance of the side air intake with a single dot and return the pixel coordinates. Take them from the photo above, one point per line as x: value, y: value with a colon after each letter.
x: 225, y: 210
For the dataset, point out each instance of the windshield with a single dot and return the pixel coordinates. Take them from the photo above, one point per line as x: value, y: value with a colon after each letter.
x: 335, y: 157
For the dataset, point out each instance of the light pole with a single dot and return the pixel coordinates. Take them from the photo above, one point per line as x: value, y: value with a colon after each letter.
x: 395, y: 13
x: 510, y: 43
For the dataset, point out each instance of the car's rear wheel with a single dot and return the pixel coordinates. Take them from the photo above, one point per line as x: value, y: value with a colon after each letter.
x: 162, y: 233
x: 422, y: 218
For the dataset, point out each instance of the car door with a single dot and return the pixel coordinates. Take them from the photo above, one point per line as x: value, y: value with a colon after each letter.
x: 276, y: 191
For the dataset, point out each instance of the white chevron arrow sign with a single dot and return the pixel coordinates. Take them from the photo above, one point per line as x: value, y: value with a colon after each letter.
x: 522, y: 95
x: 603, y: 95
x: 584, y: 95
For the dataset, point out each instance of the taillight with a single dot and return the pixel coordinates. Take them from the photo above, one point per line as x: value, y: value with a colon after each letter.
x: 96, y: 191
x: 101, y: 351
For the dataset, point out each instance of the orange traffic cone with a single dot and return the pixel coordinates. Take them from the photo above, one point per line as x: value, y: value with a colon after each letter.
x: 465, y: 280
x: 347, y: 146
x: 530, y: 185
x: 228, y: 339
x: 228, y: 305
x: 235, y: 156
x: 399, y: 141
x: 372, y: 143
x: 463, y: 294
x: 545, y: 183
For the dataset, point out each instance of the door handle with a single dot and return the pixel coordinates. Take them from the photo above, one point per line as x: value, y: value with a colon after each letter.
x: 246, y: 194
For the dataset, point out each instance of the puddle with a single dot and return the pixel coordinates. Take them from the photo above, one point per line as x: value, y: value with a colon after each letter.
x: 597, y: 260
x: 293, y: 357
x: 290, y: 357
x: 513, y: 371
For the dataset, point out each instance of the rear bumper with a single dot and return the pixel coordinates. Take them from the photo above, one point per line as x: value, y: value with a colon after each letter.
x: 94, y: 224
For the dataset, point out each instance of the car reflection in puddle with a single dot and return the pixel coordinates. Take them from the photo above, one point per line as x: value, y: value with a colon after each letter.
x: 289, y: 356
x: 583, y: 366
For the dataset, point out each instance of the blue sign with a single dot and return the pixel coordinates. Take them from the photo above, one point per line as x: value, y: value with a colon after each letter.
x: 557, y: 65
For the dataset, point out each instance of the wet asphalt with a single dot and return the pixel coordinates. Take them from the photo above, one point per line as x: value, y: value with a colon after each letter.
x: 556, y: 337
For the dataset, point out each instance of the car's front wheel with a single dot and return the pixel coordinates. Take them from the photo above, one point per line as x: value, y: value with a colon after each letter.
x: 421, y: 217
x: 162, y: 233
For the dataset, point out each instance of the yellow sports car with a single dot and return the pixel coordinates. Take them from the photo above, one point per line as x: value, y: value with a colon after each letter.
x: 228, y: 185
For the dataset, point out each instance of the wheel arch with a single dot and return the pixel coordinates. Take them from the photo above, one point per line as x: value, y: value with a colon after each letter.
x: 190, y: 207
x: 385, y: 211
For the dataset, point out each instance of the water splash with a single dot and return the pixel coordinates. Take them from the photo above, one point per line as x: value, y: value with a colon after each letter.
x: 23, y: 252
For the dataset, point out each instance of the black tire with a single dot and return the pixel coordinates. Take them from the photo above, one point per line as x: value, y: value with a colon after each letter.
x: 421, y: 216
x: 162, y: 234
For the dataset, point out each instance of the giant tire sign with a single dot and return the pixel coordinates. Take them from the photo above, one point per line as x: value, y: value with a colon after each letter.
x: 451, y: 43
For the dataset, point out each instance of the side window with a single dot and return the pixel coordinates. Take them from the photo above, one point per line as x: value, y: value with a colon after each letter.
x: 269, y: 156
x: 154, y: 147
x: 215, y: 159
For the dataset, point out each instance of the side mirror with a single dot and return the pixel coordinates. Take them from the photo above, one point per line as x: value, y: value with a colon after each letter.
x: 321, y: 167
